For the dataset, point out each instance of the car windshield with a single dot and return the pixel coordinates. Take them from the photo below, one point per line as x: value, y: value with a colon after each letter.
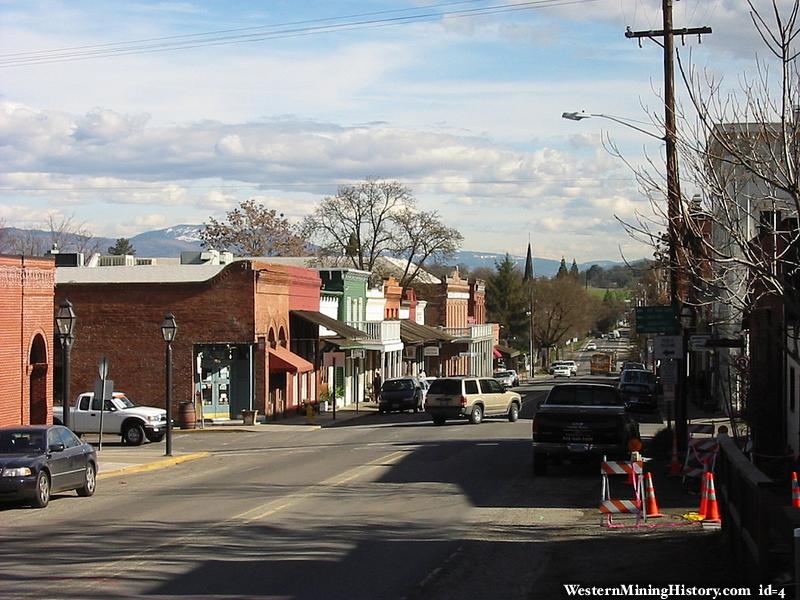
x: 21, y: 442
x: 122, y: 402
x: 445, y: 386
x: 503, y: 374
x: 583, y: 396
x: 642, y: 377
x: 394, y: 385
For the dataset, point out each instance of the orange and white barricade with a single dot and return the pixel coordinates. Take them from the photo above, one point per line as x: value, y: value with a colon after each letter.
x: 613, y: 506
x: 701, y: 452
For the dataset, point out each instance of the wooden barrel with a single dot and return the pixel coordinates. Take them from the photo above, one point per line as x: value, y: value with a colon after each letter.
x: 188, y: 416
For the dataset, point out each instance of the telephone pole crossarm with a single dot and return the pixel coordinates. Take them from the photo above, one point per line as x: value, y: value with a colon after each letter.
x: 653, y: 33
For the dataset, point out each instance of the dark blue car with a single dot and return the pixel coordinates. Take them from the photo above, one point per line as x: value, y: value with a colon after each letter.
x: 403, y: 393
x: 37, y: 461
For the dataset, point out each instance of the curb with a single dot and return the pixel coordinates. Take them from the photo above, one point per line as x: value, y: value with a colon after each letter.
x: 261, y: 428
x: 153, y: 466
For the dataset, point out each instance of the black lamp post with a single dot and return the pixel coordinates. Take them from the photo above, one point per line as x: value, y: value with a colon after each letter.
x: 65, y: 323
x: 168, y: 329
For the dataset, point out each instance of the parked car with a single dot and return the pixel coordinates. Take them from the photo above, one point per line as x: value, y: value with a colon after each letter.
x: 580, y: 420
x: 39, y: 460
x: 470, y: 397
x: 638, y: 389
x: 629, y: 364
x: 121, y: 416
x: 562, y: 370
x: 401, y: 394
x: 573, y: 366
x: 507, y: 378
x: 591, y: 346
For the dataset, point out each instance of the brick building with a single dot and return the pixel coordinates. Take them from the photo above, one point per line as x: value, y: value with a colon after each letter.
x: 232, y: 346
x: 27, y: 348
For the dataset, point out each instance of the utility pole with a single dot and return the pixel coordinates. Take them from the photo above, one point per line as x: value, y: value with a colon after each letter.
x: 675, y: 224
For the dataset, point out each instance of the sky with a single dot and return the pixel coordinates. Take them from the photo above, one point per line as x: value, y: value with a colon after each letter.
x: 285, y: 100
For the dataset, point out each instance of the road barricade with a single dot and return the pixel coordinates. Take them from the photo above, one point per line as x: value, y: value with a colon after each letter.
x: 609, y: 506
x: 701, y: 452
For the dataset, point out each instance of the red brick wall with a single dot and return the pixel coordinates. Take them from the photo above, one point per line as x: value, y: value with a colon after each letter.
x: 26, y: 311
x: 122, y: 322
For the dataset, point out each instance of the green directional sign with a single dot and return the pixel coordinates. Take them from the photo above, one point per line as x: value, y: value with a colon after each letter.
x: 657, y: 319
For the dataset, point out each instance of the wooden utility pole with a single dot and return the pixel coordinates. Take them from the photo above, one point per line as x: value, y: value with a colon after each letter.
x: 675, y: 224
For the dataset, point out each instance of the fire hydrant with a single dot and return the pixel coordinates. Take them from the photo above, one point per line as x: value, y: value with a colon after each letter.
x: 309, y: 414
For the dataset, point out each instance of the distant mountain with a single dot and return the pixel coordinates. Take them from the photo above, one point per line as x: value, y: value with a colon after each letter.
x: 541, y: 266
x: 171, y: 241
x: 167, y: 242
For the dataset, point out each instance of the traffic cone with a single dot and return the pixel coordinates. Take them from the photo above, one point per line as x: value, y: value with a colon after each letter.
x: 651, y: 506
x: 675, y: 467
x: 703, y: 496
x: 795, y: 491
x: 712, y: 510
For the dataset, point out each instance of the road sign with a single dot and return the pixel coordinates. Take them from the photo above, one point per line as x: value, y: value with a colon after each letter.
x: 656, y: 319
x: 697, y: 342
x: 667, y: 346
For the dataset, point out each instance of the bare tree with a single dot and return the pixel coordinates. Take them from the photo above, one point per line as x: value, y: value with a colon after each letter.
x: 251, y: 229
x: 358, y: 222
x: 560, y: 311
x: 421, y: 238
x: 64, y: 234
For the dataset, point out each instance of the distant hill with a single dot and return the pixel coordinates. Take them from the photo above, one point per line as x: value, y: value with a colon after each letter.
x: 546, y: 267
x: 171, y: 241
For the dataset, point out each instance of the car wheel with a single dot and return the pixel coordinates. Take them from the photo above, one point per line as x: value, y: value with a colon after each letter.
x: 476, y: 416
x: 155, y: 438
x: 539, y: 464
x: 381, y: 411
x: 42, y: 497
x: 513, y: 412
x: 89, y: 482
x: 439, y: 420
x: 133, y: 434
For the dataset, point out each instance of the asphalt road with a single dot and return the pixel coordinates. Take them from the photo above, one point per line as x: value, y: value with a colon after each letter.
x: 383, y: 507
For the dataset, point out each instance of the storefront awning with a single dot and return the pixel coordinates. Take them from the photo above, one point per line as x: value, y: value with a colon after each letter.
x: 412, y: 332
x: 281, y: 359
x: 342, y: 329
x: 505, y: 351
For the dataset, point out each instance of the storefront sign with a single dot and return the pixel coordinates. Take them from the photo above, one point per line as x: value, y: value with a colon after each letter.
x: 430, y: 351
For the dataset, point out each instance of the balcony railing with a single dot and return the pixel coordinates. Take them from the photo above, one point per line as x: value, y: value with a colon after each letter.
x: 386, y: 332
x: 471, y: 332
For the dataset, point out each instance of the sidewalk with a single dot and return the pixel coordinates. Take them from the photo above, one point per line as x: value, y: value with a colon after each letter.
x: 115, y: 459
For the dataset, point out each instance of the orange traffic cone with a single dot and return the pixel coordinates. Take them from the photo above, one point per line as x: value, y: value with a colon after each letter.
x: 712, y: 510
x: 651, y: 506
x: 675, y: 467
x: 795, y: 491
x: 703, y: 496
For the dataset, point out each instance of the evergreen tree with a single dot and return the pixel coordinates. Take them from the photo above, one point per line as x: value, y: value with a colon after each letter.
x: 562, y: 269
x: 573, y: 271
x: 528, y: 276
x: 507, y: 301
x: 123, y: 246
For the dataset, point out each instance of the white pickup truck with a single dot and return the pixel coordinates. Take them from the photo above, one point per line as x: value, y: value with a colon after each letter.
x: 120, y: 416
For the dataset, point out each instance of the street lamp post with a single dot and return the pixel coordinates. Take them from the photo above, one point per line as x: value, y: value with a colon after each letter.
x: 168, y: 329
x: 65, y: 323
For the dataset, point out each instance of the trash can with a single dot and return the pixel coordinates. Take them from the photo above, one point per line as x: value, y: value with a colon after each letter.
x: 249, y: 417
x: 188, y: 416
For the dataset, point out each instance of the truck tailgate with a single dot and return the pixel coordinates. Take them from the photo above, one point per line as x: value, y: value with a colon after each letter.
x: 595, y: 425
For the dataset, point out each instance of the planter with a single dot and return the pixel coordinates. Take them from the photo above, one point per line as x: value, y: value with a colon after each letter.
x: 249, y: 417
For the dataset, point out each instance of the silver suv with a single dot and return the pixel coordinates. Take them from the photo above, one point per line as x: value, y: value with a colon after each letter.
x: 470, y: 397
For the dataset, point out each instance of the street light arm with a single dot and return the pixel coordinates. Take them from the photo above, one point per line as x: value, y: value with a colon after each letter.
x: 581, y: 115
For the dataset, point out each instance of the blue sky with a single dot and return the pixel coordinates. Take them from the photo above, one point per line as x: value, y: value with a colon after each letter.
x: 465, y: 110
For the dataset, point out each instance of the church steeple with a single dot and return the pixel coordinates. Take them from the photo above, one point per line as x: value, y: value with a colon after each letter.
x: 528, y: 265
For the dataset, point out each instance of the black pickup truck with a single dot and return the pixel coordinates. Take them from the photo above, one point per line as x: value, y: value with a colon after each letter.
x: 579, y: 420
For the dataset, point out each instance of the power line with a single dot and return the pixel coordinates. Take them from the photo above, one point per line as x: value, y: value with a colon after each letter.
x: 225, y: 37
x: 269, y: 186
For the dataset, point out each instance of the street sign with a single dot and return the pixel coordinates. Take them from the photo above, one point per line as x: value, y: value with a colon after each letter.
x: 667, y: 346
x: 104, y: 388
x: 656, y: 319
x: 697, y: 342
